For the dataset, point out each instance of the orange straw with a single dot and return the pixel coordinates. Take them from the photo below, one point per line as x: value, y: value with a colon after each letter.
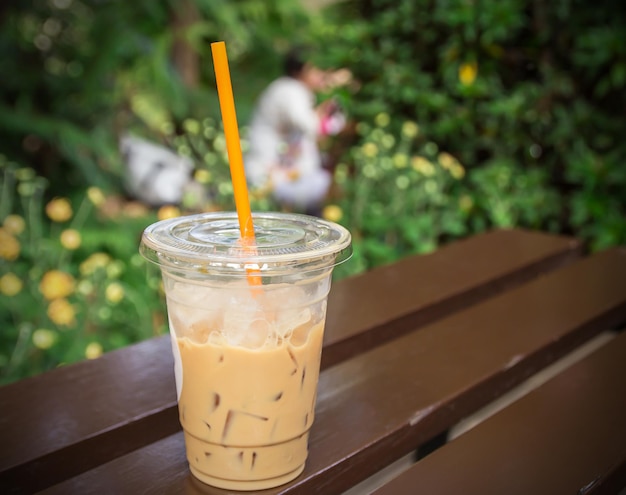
x: 233, y: 147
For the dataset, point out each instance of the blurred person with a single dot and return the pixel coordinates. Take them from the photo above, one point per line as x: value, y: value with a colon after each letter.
x: 283, y: 135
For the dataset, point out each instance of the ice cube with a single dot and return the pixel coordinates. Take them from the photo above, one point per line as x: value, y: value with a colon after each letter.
x: 258, y: 335
x: 288, y: 320
x: 240, y: 313
x: 194, y: 309
x: 290, y: 309
x: 300, y: 335
x: 216, y: 338
x: 292, y: 294
x: 200, y: 331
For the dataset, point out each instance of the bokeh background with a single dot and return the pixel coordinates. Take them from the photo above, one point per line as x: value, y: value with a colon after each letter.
x: 466, y: 115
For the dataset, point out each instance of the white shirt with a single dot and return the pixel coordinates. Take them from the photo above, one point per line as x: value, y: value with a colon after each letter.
x: 283, y: 144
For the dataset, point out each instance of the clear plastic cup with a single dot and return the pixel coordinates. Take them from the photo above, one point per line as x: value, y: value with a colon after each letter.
x: 247, y: 325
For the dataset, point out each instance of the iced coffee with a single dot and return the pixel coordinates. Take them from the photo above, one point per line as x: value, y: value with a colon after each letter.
x: 247, y: 355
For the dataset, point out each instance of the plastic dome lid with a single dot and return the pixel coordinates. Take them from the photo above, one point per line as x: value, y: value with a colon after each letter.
x: 211, y: 242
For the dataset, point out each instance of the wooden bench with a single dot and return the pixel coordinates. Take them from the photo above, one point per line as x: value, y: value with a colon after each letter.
x: 410, y: 349
x: 567, y: 436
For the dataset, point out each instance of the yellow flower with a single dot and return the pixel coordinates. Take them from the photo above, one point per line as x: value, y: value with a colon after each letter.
x: 410, y: 129
x: 457, y: 171
x: 400, y: 160
x: 14, y: 224
x: 370, y: 150
x: 62, y: 313
x: 422, y: 165
x: 70, y: 239
x: 96, y: 196
x: 382, y: 119
x: 446, y: 160
x: 93, y: 350
x: 114, y: 292
x: 10, y: 284
x: 56, y: 284
x: 467, y: 73
x: 451, y: 164
x: 202, y: 176
x: 95, y: 261
x: 332, y: 213
x: 59, y: 210
x: 9, y: 245
x: 168, y: 211
x: 44, y: 338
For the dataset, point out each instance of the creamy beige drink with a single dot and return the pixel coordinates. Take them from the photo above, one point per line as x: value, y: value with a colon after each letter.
x: 249, y: 379
x: 248, y: 430
x: 247, y: 355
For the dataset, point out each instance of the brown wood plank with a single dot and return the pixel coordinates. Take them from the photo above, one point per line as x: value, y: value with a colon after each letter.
x: 378, y: 406
x: 127, y: 399
x: 392, y: 300
x: 566, y: 437
x: 53, y: 424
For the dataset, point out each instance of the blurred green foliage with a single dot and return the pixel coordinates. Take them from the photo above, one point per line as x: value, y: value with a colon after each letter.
x: 77, y: 74
x: 469, y: 115
x: 529, y: 96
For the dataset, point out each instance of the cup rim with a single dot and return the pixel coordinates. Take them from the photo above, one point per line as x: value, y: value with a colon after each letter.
x: 210, y: 242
